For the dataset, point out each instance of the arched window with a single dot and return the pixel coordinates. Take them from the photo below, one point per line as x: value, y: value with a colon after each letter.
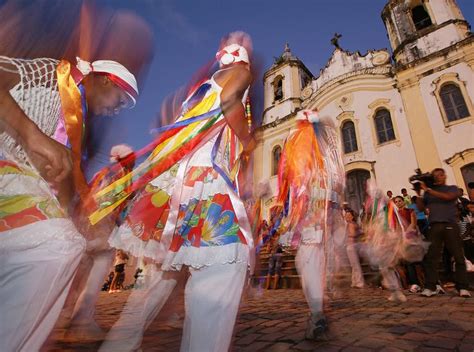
x: 453, y: 102
x: 278, y: 89
x: 276, y: 153
x: 383, y: 126
x: 421, y: 19
x: 349, y: 137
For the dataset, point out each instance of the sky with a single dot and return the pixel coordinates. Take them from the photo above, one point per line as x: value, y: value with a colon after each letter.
x: 187, y: 34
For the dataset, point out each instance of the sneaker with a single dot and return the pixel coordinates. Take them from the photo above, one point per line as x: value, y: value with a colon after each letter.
x: 440, y: 290
x: 464, y: 293
x: 414, y: 288
x: 358, y: 286
x: 428, y: 293
x: 316, y: 328
x: 397, y: 296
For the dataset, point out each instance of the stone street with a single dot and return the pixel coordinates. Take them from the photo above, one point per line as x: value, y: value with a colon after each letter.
x: 359, y: 320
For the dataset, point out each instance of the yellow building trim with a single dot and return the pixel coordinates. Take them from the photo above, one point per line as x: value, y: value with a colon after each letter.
x: 447, y: 78
x: 459, y: 160
x: 424, y: 145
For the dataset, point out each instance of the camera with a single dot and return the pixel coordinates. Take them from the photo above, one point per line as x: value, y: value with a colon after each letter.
x: 418, y: 177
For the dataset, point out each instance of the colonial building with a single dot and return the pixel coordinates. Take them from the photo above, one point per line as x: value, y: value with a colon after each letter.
x: 396, y: 111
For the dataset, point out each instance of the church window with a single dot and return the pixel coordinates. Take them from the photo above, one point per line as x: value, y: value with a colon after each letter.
x: 276, y: 154
x: 349, y: 137
x: 278, y: 88
x: 421, y: 19
x: 384, y: 126
x: 453, y: 102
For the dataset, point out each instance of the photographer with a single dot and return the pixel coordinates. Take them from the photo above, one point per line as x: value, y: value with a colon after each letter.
x: 441, y: 200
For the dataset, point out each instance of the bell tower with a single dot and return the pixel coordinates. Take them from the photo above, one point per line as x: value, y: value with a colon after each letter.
x: 418, y: 28
x: 283, y: 84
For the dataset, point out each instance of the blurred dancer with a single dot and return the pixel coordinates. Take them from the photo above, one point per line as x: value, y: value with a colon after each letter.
x: 188, y: 212
x: 354, y: 248
x: 78, y: 313
x: 390, y: 239
x: 311, y: 182
x: 43, y: 106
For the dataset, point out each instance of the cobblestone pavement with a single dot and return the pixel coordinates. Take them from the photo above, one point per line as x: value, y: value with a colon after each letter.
x: 359, y: 320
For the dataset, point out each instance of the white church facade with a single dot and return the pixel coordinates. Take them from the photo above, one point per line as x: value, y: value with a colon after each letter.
x: 395, y: 111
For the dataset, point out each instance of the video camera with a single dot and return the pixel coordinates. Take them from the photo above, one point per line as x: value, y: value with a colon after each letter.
x: 418, y: 177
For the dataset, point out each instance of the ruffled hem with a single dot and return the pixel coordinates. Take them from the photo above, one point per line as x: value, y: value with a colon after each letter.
x: 40, y: 232
x: 195, y: 257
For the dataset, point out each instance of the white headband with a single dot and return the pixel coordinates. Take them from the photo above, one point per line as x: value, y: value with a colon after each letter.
x: 118, y: 73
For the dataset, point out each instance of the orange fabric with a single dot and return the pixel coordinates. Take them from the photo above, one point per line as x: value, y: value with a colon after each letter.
x: 301, y: 166
x: 73, y: 120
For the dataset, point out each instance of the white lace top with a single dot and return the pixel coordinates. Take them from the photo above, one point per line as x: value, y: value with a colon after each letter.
x: 37, y: 95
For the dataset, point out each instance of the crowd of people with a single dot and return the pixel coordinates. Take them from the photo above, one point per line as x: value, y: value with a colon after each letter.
x: 443, y: 218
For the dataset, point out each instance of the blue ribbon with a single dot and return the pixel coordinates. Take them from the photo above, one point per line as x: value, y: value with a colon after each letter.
x: 217, y: 167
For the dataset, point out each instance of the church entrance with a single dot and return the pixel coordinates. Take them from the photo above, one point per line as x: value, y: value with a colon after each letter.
x: 355, y: 188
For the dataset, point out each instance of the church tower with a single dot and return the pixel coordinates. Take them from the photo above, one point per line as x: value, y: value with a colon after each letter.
x: 433, y: 53
x: 419, y: 28
x: 283, y: 86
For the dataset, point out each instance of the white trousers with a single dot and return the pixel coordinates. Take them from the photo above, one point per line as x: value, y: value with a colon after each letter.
x: 82, y: 299
x: 212, y: 298
x: 353, y: 250
x: 310, y: 263
x: 37, y: 265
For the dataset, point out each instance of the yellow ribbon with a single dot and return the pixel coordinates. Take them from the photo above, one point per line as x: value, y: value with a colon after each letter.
x: 72, y: 112
x: 160, y: 152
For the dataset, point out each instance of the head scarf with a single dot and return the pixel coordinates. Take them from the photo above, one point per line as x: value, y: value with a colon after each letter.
x: 116, y: 72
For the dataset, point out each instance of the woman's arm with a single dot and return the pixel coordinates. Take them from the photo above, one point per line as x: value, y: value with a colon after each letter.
x: 235, y: 82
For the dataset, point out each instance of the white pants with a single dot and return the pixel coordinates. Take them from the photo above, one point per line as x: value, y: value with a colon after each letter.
x: 37, y: 265
x: 310, y: 263
x: 81, y: 301
x: 389, y: 278
x: 353, y: 250
x: 212, y: 298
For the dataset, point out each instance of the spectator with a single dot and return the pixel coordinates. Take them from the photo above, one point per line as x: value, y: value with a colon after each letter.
x: 389, y: 194
x: 406, y: 197
x: 441, y: 202
x: 421, y: 219
x: 470, y: 187
x: 470, y: 206
x: 275, y: 262
x: 121, y: 259
x: 409, y: 224
x: 108, y: 281
x: 138, y: 277
x: 353, y: 248
x: 463, y: 203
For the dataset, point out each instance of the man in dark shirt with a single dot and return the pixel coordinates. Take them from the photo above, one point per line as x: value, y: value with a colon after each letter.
x: 441, y: 200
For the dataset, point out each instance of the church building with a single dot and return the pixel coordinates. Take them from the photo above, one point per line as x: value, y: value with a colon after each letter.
x: 395, y: 111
